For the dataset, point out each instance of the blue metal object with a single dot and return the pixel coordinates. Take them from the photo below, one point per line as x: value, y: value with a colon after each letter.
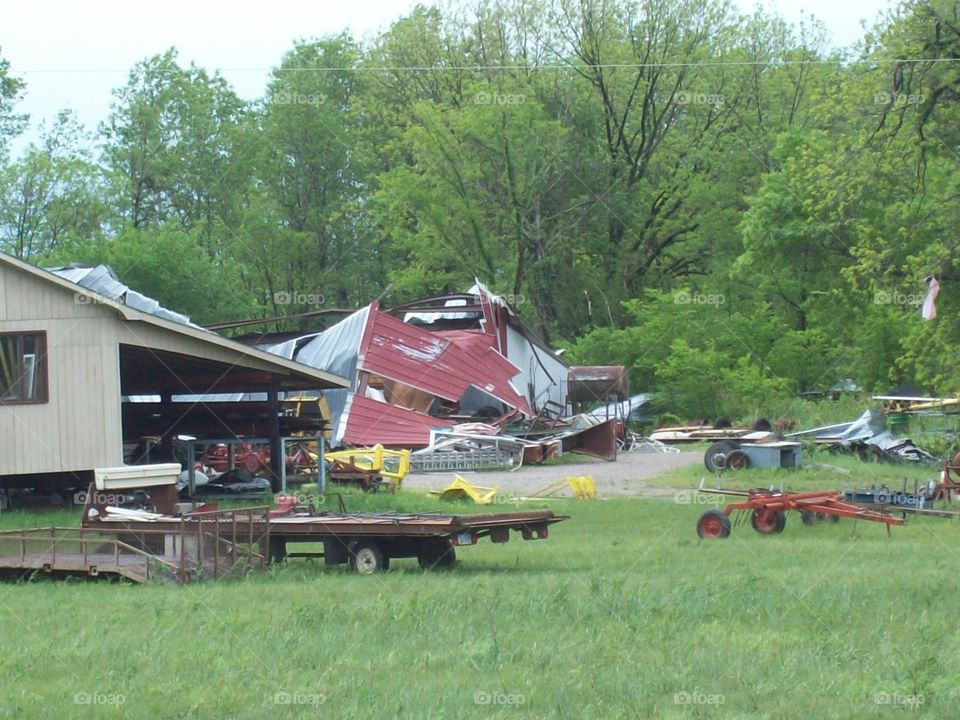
x: 773, y: 455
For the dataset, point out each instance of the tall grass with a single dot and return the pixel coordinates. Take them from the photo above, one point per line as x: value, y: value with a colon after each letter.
x: 621, y: 613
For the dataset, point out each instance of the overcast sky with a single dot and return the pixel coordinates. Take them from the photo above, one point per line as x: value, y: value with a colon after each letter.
x: 72, y: 54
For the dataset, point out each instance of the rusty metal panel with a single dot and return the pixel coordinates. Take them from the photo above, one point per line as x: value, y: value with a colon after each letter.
x: 589, y: 383
x: 437, y: 365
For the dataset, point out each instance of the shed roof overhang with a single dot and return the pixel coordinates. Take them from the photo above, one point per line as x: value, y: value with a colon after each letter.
x: 157, y: 354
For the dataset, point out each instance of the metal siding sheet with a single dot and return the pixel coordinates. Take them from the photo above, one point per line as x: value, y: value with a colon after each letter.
x: 525, y: 356
x: 370, y: 422
x: 429, y: 362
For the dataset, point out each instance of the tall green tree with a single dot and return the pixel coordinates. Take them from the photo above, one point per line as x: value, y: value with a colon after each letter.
x: 11, y: 91
x: 52, y: 193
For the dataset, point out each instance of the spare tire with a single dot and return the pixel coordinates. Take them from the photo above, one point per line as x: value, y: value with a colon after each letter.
x: 761, y: 425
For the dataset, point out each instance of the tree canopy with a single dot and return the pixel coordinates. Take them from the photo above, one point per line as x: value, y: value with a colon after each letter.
x: 719, y: 201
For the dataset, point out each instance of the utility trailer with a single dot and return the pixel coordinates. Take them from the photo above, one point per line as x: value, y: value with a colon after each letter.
x: 149, y: 516
x: 368, y: 542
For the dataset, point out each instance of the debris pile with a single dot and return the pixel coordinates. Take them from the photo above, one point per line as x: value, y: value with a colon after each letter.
x: 868, y: 437
x: 462, y: 382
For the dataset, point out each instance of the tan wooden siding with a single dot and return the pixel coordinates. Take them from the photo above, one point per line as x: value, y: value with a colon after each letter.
x: 79, y: 428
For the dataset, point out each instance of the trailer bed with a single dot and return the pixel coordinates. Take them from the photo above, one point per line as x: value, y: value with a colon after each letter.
x: 378, y: 537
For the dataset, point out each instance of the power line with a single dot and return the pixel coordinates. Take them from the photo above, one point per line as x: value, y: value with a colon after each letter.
x: 527, y: 68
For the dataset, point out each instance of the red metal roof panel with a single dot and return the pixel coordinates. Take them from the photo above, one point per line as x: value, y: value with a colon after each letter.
x: 370, y: 422
x: 435, y: 364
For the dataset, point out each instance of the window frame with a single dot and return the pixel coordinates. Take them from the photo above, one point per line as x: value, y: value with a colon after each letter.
x: 40, y: 365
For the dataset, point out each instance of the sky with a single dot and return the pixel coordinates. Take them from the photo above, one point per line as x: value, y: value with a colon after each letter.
x: 73, y: 54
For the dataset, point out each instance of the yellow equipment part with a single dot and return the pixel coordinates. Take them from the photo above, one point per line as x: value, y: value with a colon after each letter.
x: 582, y: 487
x: 304, y: 406
x: 460, y: 489
x: 391, y: 464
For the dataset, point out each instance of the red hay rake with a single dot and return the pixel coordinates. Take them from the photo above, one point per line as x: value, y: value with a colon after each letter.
x: 768, y: 511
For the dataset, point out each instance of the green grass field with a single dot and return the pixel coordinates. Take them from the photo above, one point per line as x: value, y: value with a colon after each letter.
x: 622, y: 613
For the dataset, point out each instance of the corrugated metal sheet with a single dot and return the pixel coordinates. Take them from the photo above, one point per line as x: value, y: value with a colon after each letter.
x: 473, y: 340
x: 424, y: 360
x: 336, y: 348
x: 102, y: 280
x: 368, y: 422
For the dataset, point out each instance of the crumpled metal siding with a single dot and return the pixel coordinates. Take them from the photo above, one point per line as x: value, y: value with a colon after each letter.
x: 103, y: 281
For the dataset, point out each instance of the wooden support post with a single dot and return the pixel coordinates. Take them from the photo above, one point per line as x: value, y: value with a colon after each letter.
x: 276, y: 446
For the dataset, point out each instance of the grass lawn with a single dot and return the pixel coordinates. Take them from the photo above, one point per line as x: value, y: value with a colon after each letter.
x: 622, y: 613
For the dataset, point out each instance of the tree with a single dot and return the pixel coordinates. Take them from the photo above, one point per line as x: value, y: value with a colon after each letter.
x: 176, y: 150
x: 51, y: 194
x: 11, y: 123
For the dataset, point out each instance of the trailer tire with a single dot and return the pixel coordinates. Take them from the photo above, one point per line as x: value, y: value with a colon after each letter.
x: 367, y: 558
x: 437, y: 554
x: 713, y: 524
x: 716, y: 456
x: 738, y: 460
x: 768, y: 522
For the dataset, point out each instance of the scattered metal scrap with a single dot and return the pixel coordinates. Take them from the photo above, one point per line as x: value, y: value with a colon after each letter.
x: 868, y: 437
x: 582, y: 487
x: 460, y: 489
x: 696, y: 433
x: 512, y: 443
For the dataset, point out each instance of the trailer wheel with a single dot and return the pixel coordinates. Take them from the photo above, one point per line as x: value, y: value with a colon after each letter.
x: 768, y: 522
x: 713, y: 524
x: 367, y: 558
x: 738, y: 460
x: 716, y: 456
x: 437, y: 555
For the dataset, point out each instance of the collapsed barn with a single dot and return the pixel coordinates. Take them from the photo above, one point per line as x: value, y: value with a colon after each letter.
x: 94, y: 374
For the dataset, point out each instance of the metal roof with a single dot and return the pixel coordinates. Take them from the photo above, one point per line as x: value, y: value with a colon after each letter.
x: 103, y: 281
x: 368, y: 422
x: 424, y: 360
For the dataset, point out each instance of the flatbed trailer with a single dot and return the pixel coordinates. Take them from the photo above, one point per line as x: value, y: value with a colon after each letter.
x: 365, y: 541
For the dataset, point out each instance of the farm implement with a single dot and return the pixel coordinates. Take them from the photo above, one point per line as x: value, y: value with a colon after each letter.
x: 768, y: 511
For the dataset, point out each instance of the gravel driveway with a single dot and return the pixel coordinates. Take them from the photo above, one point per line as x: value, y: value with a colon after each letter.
x: 630, y: 474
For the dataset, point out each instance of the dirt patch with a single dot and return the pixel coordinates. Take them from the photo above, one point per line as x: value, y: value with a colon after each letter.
x: 630, y: 474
